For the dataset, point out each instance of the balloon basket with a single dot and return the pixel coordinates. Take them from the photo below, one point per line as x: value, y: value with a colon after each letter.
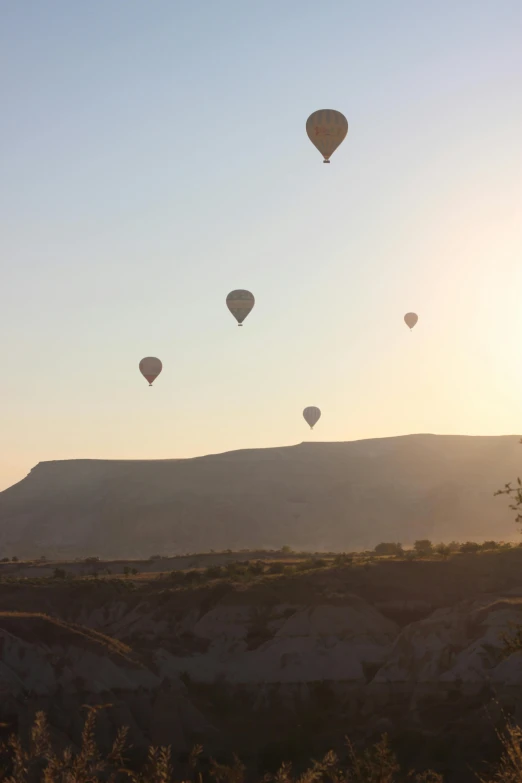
x: 326, y: 161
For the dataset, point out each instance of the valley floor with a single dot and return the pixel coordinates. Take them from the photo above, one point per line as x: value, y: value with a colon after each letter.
x: 274, y: 666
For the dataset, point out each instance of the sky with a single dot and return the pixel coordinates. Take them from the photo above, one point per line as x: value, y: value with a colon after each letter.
x: 153, y: 157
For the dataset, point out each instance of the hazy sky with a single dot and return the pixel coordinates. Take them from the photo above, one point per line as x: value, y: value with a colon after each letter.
x: 154, y: 157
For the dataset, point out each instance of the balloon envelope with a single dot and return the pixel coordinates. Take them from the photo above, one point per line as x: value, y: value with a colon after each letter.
x: 411, y: 319
x: 240, y: 303
x: 150, y: 368
x: 312, y: 415
x: 326, y: 129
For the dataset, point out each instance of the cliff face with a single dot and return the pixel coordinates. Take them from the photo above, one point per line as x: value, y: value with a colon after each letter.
x: 311, y: 496
x: 58, y: 667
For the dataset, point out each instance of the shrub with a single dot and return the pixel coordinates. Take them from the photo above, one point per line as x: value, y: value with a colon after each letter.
x: 235, y: 569
x: 305, y: 565
x: 192, y: 577
x: 214, y: 572
x: 443, y: 550
x: 59, y: 573
x: 343, y: 560
x: 511, y: 641
x: 257, y: 568
x: 178, y: 577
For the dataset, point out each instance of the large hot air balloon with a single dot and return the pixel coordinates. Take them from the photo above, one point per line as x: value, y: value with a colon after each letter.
x: 150, y: 368
x: 326, y: 129
x: 411, y: 319
x: 312, y: 415
x: 240, y: 304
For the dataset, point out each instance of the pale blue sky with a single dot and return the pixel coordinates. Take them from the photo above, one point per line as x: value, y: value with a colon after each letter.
x: 154, y: 157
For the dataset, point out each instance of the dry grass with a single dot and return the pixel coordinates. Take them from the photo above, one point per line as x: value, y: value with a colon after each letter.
x: 509, y: 768
x: 38, y: 762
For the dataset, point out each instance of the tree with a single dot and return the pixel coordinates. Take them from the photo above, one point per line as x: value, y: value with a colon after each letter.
x: 388, y: 548
x: 515, y: 494
x: 423, y: 547
x: 286, y: 550
x: 491, y: 545
x: 470, y: 546
x: 59, y: 573
x: 454, y: 546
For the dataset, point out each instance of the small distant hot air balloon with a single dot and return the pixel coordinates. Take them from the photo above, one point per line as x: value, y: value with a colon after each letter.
x: 326, y: 129
x: 312, y: 415
x: 150, y: 368
x: 411, y: 319
x: 240, y: 303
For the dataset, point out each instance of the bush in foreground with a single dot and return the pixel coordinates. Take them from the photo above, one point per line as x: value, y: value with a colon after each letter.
x: 40, y: 763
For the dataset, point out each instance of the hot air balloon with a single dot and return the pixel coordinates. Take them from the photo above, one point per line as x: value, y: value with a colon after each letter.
x: 411, y: 319
x: 150, y: 368
x: 326, y: 129
x: 312, y: 415
x: 240, y: 303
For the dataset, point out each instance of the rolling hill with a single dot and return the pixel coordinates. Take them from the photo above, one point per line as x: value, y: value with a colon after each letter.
x: 319, y: 496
